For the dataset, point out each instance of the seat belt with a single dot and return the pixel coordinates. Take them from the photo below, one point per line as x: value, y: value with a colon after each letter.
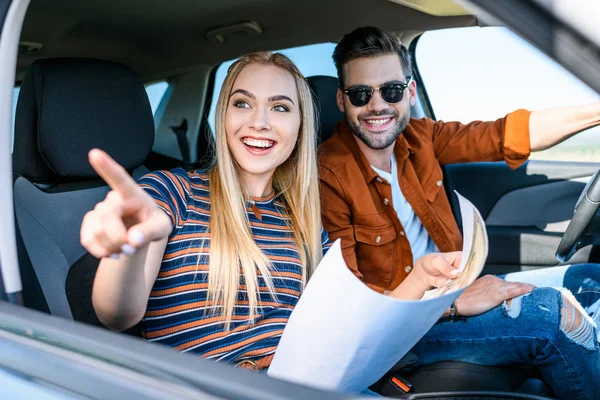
x: 181, y: 133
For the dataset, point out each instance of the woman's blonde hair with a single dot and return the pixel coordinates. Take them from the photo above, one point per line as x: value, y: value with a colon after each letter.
x: 233, y: 250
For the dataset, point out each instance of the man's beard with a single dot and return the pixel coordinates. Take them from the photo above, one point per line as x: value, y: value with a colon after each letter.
x: 384, y: 139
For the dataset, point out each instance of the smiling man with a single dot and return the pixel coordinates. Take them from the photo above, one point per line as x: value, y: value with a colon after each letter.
x: 382, y: 194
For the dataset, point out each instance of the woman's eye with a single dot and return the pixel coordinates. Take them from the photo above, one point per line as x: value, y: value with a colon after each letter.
x: 241, y: 104
x: 280, y: 108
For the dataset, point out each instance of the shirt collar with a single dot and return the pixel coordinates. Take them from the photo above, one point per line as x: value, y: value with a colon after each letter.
x: 401, y: 150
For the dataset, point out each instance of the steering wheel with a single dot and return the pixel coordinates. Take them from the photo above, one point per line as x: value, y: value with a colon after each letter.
x: 579, y: 233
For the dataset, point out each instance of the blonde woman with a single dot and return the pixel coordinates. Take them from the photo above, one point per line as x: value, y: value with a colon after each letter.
x: 213, y: 262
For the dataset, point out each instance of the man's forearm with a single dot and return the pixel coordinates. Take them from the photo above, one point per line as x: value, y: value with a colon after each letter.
x: 550, y: 127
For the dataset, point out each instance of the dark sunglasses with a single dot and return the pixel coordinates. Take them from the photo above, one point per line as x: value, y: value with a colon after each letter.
x: 390, y: 93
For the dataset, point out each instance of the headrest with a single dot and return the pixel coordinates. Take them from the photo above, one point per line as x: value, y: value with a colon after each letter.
x: 324, y: 89
x: 67, y: 107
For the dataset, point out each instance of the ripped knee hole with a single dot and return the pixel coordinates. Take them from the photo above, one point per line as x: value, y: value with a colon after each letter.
x: 575, y: 323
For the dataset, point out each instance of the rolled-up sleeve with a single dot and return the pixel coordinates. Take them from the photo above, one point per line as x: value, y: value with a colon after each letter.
x: 504, y: 139
x: 516, y: 144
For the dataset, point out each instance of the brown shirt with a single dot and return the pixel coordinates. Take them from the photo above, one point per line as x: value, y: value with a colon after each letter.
x: 357, y: 203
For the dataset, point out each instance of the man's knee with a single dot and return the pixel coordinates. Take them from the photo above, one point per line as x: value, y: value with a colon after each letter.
x: 541, y: 307
x: 575, y: 323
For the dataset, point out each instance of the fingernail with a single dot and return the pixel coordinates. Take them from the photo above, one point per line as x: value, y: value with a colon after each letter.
x: 128, y: 249
x: 114, y: 256
x: 454, y: 272
x: 136, y: 237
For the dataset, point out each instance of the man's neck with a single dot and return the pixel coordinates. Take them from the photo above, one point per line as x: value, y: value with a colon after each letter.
x: 380, y: 159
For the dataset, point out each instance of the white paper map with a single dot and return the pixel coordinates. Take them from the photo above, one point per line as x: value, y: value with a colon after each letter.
x: 344, y: 336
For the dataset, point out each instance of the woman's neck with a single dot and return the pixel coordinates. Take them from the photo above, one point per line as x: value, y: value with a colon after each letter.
x: 257, y: 185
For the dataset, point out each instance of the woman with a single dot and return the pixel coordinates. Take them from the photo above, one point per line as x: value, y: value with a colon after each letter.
x: 214, y: 262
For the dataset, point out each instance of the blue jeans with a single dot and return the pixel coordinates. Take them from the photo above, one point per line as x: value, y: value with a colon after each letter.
x: 546, y: 328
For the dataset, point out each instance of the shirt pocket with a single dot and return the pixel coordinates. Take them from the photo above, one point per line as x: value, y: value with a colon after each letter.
x: 434, y: 185
x: 438, y: 199
x: 375, y: 253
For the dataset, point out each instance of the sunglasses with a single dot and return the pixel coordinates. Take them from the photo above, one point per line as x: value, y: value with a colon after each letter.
x: 391, y: 93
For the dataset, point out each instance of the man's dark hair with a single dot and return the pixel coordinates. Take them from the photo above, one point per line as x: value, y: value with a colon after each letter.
x: 369, y: 41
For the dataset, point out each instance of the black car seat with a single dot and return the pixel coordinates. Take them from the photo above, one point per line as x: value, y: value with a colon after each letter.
x: 460, y: 378
x: 324, y: 90
x: 67, y: 107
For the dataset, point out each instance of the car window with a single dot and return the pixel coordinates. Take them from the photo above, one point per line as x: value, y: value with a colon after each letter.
x: 156, y: 92
x: 484, y: 73
x: 15, y: 386
x: 311, y: 60
x: 15, y: 98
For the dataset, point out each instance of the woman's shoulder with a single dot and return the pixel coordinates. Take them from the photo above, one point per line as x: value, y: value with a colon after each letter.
x: 198, y: 176
x: 182, y: 175
x: 185, y: 183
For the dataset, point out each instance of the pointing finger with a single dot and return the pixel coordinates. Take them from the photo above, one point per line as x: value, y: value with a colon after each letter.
x: 113, y: 174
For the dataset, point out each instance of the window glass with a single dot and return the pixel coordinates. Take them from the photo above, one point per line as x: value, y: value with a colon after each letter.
x: 311, y: 60
x: 156, y: 91
x: 15, y: 98
x: 484, y: 73
x: 20, y: 387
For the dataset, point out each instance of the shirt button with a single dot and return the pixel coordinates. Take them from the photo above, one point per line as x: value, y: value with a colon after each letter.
x: 379, y: 180
x: 378, y: 239
x: 386, y: 202
x: 439, y: 183
x: 408, y: 268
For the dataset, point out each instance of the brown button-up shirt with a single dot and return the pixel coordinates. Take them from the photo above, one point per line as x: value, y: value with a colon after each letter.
x: 357, y: 207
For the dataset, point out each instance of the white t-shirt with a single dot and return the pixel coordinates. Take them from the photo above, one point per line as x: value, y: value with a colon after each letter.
x: 420, y: 242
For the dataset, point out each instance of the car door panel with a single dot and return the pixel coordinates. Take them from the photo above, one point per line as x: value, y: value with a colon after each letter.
x: 526, y: 210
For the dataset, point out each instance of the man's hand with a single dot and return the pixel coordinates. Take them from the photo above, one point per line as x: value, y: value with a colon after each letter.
x: 435, y: 269
x: 432, y: 270
x: 488, y: 292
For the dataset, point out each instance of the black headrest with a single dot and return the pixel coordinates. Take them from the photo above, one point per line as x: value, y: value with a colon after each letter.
x: 324, y: 89
x: 68, y: 106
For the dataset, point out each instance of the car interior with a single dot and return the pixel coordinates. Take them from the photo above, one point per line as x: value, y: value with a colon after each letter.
x: 82, y: 69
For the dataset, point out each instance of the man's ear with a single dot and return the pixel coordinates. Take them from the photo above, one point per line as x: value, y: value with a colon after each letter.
x: 340, y: 100
x: 412, y: 89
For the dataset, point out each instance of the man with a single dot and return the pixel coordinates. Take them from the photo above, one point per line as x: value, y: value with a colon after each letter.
x: 382, y: 194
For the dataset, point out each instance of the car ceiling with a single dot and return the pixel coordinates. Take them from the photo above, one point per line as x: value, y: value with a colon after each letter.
x: 162, y: 37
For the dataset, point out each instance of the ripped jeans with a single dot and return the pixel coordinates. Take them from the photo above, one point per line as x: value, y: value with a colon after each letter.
x: 550, y: 328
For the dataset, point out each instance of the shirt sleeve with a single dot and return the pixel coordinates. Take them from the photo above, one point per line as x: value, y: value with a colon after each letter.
x: 336, y: 216
x: 170, y: 190
x: 504, y: 139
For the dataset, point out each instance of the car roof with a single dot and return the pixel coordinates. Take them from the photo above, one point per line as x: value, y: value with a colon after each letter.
x: 157, y: 38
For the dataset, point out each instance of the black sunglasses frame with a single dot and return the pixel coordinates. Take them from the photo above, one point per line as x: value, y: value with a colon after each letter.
x: 371, y: 90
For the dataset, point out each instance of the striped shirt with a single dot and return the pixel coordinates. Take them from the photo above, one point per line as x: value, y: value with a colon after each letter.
x: 177, y: 313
